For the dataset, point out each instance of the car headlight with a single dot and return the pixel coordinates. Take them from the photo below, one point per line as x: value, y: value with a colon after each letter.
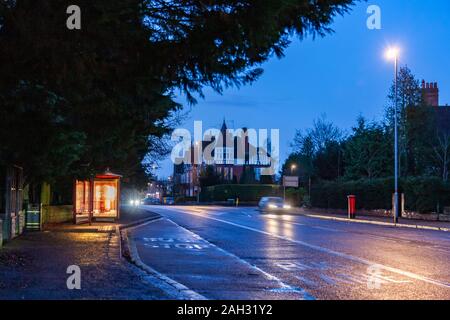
x: 132, y: 202
x: 287, y: 206
x: 272, y: 206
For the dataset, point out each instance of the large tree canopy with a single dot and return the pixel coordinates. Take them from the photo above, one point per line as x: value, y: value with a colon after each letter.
x: 76, y: 101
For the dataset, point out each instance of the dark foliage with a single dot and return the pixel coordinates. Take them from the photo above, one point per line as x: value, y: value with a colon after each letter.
x: 76, y: 102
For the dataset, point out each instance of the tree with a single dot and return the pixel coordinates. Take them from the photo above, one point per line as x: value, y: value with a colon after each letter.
x: 409, y: 96
x: 328, y: 162
x: 110, y: 85
x: 302, y: 157
x: 422, y: 136
x: 441, y: 152
x: 318, y: 150
x: 324, y: 132
x: 367, y: 152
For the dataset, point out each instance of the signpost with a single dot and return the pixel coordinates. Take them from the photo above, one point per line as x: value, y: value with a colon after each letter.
x: 289, y: 181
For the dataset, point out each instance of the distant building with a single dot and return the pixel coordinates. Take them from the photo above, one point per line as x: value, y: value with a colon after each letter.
x: 157, y: 189
x: 430, y: 91
x: 230, y: 161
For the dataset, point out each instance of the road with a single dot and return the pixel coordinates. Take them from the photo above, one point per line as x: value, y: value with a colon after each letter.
x: 238, y: 253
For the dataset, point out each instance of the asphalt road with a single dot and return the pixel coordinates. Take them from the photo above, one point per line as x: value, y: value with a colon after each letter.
x: 238, y: 253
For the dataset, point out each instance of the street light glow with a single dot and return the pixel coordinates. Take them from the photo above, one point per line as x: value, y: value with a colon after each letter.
x: 392, y: 53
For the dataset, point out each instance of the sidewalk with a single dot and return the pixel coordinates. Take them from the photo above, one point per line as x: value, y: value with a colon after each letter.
x: 34, y: 265
x: 387, y: 221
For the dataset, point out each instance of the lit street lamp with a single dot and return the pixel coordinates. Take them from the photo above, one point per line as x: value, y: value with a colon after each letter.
x: 293, y: 167
x: 393, y: 54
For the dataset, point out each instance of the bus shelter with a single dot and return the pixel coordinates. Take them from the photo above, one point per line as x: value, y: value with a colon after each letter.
x: 97, y: 199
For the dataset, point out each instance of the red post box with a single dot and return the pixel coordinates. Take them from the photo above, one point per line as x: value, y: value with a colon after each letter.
x: 351, y: 207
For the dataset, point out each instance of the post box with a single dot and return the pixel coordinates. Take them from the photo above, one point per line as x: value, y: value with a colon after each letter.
x: 351, y: 207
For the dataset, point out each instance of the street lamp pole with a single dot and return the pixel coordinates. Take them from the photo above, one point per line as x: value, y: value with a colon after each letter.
x: 396, y: 213
x: 393, y: 53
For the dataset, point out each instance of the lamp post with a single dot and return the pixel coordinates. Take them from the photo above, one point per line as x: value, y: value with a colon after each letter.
x: 393, y: 54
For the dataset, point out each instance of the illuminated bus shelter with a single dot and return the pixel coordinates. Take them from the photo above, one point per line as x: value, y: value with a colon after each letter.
x: 97, y: 199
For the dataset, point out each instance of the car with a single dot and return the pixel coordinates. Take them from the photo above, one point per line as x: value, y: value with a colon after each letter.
x: 169, y: 200
x: 273, y: 204
x: 135, y: 202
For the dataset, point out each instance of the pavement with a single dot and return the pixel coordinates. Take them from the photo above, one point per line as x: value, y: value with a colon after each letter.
x: 238, y: 253
x: 378, y: 220
x: 34, y: 266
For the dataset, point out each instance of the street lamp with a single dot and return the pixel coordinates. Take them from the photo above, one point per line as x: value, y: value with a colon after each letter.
x: 293, y: 167
x: 393, y: 54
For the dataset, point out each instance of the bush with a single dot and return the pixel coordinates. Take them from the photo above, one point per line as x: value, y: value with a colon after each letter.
x: 295, y: 196
x: 185, y: 199
x: 426, y: 194
x: 245, y: 192
x: 422, y: 194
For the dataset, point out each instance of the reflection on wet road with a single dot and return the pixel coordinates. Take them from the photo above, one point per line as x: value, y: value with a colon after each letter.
x: 238, y: 253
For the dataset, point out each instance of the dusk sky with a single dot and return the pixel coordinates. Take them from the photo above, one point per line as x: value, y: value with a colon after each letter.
x: 342, y: 75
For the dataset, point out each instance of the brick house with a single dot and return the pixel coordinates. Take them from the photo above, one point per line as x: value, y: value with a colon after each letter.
x: 231, y: 155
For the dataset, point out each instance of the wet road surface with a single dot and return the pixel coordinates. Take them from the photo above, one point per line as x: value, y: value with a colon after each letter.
x: 238, y: 253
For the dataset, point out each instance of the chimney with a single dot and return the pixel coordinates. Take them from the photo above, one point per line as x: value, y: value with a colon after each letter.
x: 430, y: 93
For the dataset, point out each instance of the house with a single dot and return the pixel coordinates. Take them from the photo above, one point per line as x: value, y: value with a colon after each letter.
x: 233, y: 155
x: 430, y: 93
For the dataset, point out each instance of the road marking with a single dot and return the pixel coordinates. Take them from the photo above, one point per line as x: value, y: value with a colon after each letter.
x: 167, y: 284
x: 283, y: 286
x: 336, y: 253
x: 175, y: 243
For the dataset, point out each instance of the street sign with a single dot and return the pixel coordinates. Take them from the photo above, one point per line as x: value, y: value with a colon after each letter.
x: 289, y: 181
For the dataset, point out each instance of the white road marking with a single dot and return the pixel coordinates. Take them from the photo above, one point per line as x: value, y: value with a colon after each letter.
x: 168, y: 285
x: 336, y: 253
x: 283, y: 286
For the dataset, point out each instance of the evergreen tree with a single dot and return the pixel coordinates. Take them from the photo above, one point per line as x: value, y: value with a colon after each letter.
x: 368, y: 152
x: 105, y: 89
x: 409, y: 95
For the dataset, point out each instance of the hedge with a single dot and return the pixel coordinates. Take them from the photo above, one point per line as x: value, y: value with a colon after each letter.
x: 245, y: 192
x: 295, y: 196
x: 422, y: 194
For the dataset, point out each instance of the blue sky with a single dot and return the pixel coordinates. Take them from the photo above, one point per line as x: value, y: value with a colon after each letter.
x: 342, y: 75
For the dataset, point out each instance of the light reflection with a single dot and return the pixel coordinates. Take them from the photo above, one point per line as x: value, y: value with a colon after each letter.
x: 277, y: 225
x: 272, y: 226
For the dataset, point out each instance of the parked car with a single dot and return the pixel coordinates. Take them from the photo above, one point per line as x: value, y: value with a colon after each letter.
x: 273, y: 204
x: 169, y: 200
